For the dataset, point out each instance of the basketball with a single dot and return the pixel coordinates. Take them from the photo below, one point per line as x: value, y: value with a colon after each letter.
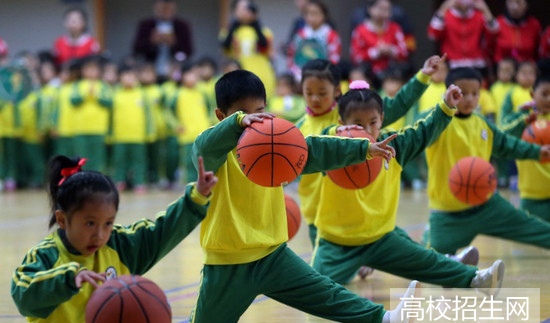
x: 272, y: 153
x: 538, y: 132
x: 128, y: 299
x: 473, y: 180
x: 359, y: 175
x: 293, y: 216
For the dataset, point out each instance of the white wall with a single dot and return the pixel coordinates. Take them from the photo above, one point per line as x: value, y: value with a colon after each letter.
x: 33, y: 24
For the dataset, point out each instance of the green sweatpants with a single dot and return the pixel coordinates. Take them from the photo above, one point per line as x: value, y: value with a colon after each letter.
x: 540, y: 208
x: 9, y: 158
x: 154, y: 159
x: 33, y: 163
x: 129, y: 158
x: 395, y: 253
x: 94, y: 148
x: 63, y: 146
x: 172, y: 158
x: 450, y: 231
x: 227, y: 291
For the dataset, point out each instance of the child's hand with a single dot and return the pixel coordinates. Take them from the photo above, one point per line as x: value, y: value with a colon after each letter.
x: 545, y: 153
x: 206, y: 180
x: 431, y: 65
x: 453, y: 96
x: 531, y: 117
x: 255, y: 117
x: 348, y: 127
x: 381, y: 149
x: 90, y: 277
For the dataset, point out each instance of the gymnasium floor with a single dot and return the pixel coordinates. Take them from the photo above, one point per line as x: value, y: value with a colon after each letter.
x: 24, y: 217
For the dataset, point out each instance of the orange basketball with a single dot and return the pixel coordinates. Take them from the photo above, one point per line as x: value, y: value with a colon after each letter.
x: 293, y: 216
x: 538, y: 132
x: 473, y: 180
x: 272, y: 153
x: 359, y: 175
x: 128, y: 299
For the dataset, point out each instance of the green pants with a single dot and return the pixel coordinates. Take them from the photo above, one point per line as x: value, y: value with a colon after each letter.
x: 172, y: 158
x: 540, y: 208
x: 450, y: 231
x: 63, y: 146
x: 227, y: 291
x: 395, y: 253
x: 9, y: 158
x: 94, y: 148
x: 154, y: 158
x: 187, y: 163
x: 129, y: 159
x: 33, y: 164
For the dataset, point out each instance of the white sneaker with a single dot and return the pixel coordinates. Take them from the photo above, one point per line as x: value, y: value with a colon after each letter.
x: 394, y: 316
x: 468, y: 256
x: 489, y: 280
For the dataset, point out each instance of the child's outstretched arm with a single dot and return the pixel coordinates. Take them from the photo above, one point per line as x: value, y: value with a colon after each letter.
x: 509, y: 147
x: 411, y: 141
x: 38, y: 288
x: 216, y: 142
x: 145, y: 242
x: 408, y: 95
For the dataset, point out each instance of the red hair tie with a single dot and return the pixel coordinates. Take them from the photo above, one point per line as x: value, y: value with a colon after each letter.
x: 69, y: 171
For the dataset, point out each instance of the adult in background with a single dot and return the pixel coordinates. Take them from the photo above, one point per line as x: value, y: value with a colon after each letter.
x: 163, y: 37
x: 77, y: 42
x: 518, y: 35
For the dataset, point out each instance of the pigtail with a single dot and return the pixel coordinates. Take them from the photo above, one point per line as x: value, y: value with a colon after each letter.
x: 56, y: 164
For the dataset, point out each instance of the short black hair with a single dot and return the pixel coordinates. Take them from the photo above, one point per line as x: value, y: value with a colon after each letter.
x: 238, y: 85
x: 322, y: 69
x: 541, y: 79
x: 462, y: 73
x: 359, y: 99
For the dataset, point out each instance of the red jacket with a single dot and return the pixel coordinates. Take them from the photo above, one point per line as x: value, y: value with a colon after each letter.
x: 66, y: 49
x: 544, y: 50
x: 364, y: 41
x: 463, y: 38
x: 520, y: 42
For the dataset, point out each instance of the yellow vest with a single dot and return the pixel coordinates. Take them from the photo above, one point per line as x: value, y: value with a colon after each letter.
x: 192, y: 114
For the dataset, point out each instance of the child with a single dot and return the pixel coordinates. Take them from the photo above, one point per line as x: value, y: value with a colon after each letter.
x: 92, y: 99
x: 506, y: 69
x: 244, y: 233
x: 463, y: 48
x: 521, y: 93
x: 454, y: 224
x: 190, y: 109
x: 534, y: 177
x: 286, y: 103
x: 208, y: 69
x: 392, y: 81
x: 378, y: 40
x: 316, y: 40
x: 132, y: 126
x: 435, y: 91
x: 63, y: 115
x: 250, y: 43
x: 77, y: 43
x: 320, y: 88
x: 58, y: 276
x: 156, y: 143
x: 357, y: 228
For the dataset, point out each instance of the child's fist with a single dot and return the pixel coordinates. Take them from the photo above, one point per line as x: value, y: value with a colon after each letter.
x: 453, y: 96
x: 431, y: 65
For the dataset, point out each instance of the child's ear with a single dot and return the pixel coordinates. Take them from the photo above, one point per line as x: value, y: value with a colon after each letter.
x: 219, y: 114
x: 60, y: 219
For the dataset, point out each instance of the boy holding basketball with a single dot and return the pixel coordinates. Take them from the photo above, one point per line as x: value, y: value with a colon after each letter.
x: 533, y: 176
x: 244, y: 233
x: 454, y: 224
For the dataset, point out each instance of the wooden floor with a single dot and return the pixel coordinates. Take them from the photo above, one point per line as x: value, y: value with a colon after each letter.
x: 24, y: 217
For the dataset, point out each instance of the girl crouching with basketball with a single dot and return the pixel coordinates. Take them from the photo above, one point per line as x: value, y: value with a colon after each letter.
x: 356, y: 228
x: 58, y: 276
